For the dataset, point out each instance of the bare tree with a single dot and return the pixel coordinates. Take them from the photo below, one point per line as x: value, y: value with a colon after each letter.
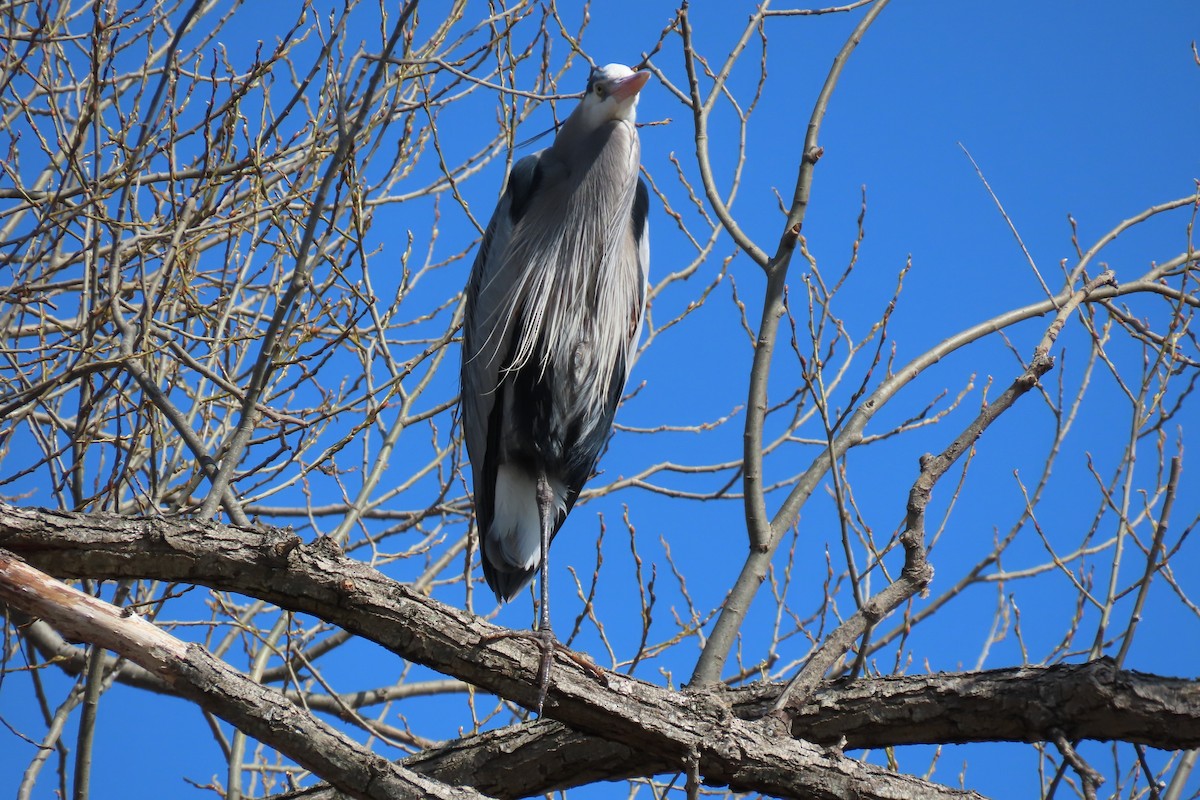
x: 232, y: 470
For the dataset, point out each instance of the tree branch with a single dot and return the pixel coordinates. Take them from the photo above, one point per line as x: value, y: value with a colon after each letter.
x: 1096, y: 700
x: 765, y: 532
x: 1090, y: 701
x: 318, y: 580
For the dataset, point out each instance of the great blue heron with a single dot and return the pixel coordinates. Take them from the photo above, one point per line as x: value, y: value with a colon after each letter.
x: 554, y: 307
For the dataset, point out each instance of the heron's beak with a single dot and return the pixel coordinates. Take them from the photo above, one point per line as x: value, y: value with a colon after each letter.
x: 624, y: 88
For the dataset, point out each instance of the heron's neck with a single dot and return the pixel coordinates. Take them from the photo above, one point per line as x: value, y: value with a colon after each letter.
x: 581, y: 147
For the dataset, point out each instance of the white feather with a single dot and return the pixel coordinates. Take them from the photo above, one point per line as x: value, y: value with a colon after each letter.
x: 515, y: 543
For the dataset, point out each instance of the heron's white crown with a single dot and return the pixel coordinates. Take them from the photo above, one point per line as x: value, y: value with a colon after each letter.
x: 612, y: 94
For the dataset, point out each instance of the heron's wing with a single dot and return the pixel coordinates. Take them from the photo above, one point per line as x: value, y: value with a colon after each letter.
x: 488, y: 331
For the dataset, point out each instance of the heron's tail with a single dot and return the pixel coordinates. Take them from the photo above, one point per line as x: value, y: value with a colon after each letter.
x: 512, y: 543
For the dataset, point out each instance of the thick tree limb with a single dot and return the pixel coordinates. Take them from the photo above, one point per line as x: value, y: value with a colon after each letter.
x: 1093, y: 700
x: 318, y: 580
x: 1096, y: 700
x: 1026, y: 704
x: 1088, y: 701
x: 1084, y: 701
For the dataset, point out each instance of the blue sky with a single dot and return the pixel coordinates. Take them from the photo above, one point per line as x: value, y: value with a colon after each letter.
x: 1089, y: 110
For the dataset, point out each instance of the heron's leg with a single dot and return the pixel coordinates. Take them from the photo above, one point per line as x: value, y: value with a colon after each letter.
x: 546, y: 516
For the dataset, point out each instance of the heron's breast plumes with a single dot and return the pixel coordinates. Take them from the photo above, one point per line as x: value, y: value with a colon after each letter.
x: 581, y: 280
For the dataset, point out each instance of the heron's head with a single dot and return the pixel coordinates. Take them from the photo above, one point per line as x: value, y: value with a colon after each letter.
x: 612, y: 94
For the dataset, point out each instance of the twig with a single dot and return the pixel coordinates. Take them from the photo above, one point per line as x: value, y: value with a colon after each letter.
x: 1090, y: 777
x: 1152, y: 562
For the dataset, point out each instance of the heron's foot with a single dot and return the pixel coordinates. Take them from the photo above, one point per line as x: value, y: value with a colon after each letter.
x: 548, y: 643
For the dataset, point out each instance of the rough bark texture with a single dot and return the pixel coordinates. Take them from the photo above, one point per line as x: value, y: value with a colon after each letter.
x: 1092, y: 701
x: 643, y: 728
